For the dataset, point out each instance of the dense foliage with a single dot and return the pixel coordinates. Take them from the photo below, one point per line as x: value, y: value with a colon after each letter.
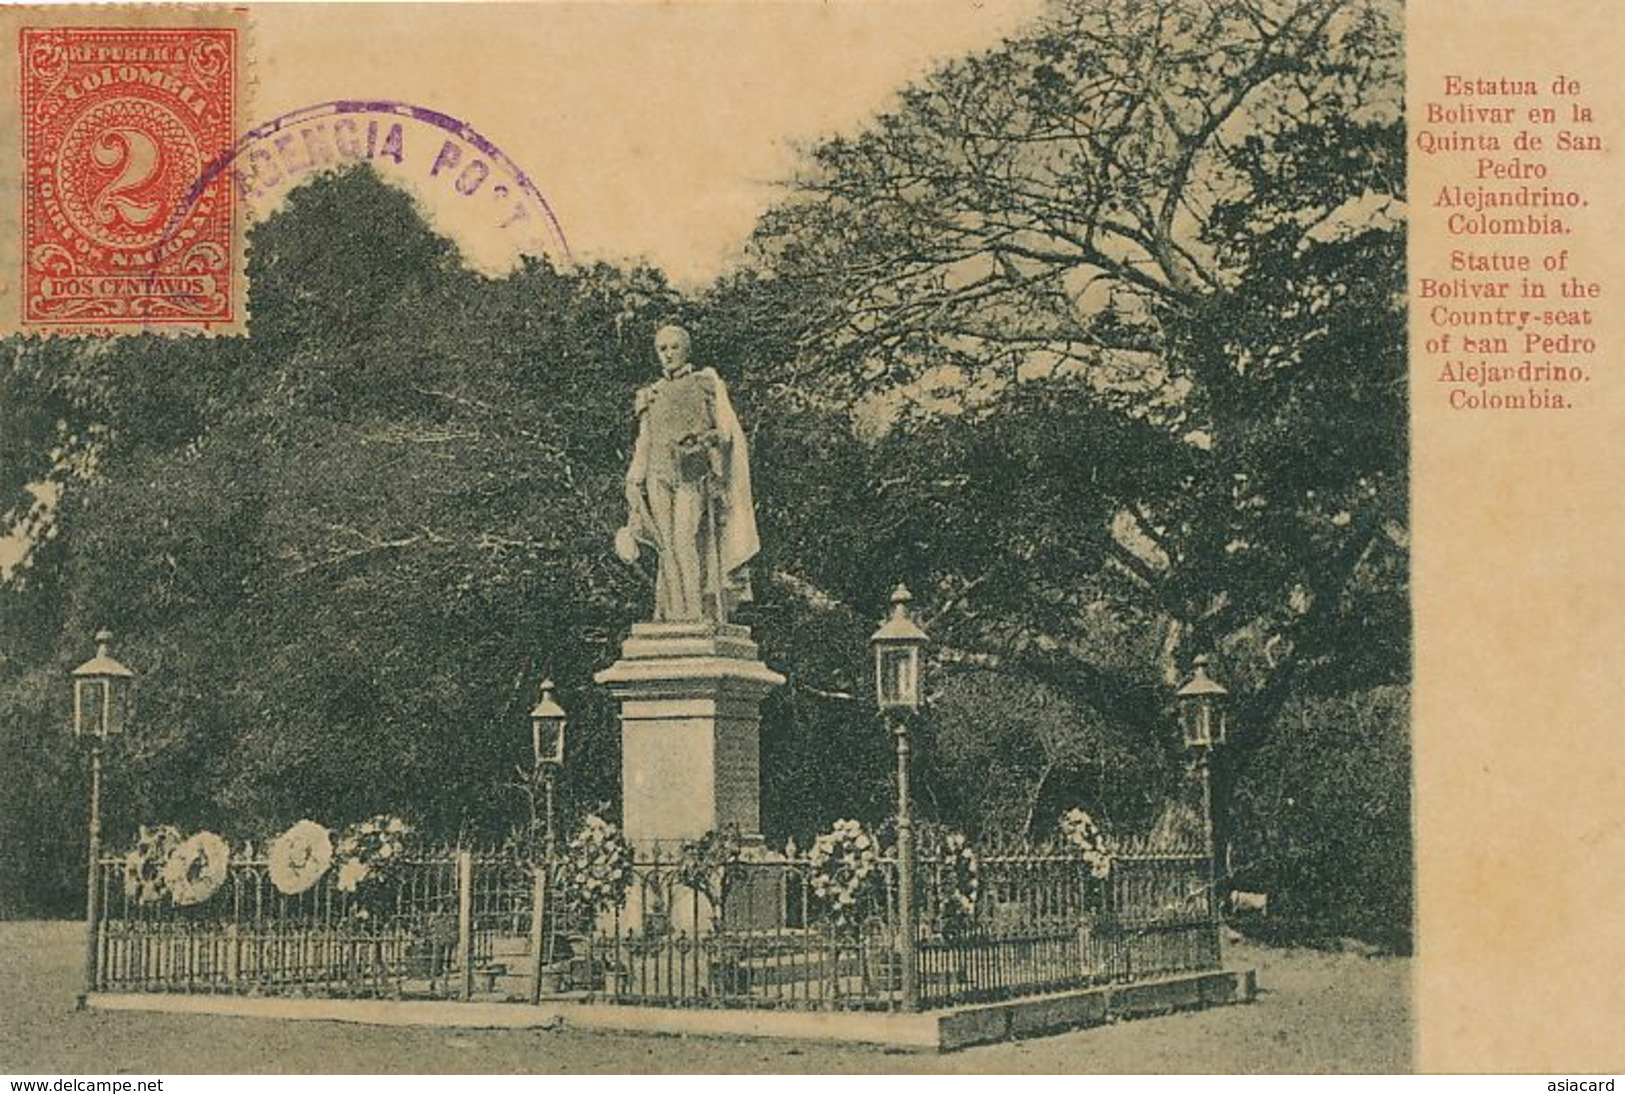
x: 1096, y: 340
x: 1125, y: 298
x: 1323, y: 820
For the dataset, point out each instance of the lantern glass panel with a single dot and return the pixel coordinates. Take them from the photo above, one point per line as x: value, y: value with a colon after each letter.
x: 548, y: 736
x: 1198, y: 723
x: 90, y: 706
x: 120, y: 697
x: 896, y: 675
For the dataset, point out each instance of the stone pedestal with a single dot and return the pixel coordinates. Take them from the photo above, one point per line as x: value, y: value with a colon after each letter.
x: 690, y: 696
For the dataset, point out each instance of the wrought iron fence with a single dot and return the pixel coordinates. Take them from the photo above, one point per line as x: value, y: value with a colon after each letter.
x: 752, y: 936
x: 444, y: 919
x: 1044, y: 922
x: 460, y: 924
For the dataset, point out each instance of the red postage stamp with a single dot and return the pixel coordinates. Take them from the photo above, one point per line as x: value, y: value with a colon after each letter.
x: 127, y: 222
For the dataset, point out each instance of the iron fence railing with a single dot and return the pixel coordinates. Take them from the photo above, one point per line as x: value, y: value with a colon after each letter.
x: 460, y: 924
x: 415, y: 938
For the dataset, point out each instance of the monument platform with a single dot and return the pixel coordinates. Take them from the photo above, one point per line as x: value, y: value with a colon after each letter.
x: 931, y: 1031
x: 690, y: 696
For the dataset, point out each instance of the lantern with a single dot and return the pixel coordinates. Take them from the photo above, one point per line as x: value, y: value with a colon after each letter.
x: 547, y: 728
x: 102, y: 693
x: 897, y: 645
x: 1201, y: 708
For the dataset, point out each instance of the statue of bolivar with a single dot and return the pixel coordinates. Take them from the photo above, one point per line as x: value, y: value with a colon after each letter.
x: 688, y: 489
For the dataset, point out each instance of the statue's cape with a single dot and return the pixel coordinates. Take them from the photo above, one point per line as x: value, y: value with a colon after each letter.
x: 737, y: 512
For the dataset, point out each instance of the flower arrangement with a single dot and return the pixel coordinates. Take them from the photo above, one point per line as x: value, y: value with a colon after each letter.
x: 844, y: 862
x: 961, y: 882
x: 705, y: 862
x: 196, y: 869
x: 300, y: 856
x: 597, y: 868
x: 1083, y: 837
x: 364, y: 856
x: 144, y: 864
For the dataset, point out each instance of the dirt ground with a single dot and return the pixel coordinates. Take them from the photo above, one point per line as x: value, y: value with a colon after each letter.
x: 1316, y: 1013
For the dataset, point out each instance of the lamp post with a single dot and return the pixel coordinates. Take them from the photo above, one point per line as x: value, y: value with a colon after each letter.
x: 101, y: 708
x: 547, y: 723
x: 1202, y: 725
x: 897, y: 646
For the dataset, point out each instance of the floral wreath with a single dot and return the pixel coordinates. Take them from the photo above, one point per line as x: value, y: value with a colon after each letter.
x: 144, y: 864
x: 299, y: 857
x: 365, y: 856
x: 844, y: 861
x: 597, y: 868
x: 961, y: 885
x: 196, y: 869
x: 1083, y: 837
x: 705, y: 862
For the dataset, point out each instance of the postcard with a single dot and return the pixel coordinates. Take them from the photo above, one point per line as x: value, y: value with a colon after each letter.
x: 717, y: 537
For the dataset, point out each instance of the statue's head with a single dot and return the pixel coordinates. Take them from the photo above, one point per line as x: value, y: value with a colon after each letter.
x: 672, y: 345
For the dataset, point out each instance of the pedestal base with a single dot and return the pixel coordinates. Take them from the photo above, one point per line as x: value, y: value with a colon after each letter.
x: 690, y: 696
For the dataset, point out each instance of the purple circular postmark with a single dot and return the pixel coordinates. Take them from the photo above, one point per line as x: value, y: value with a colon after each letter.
x: 472, y: 190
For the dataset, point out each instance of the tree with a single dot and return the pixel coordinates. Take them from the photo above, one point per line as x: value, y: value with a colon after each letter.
x: 343, y: 550
x: 1323, y: 814
x: 1131, y: 287
x: 1096, y: 340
